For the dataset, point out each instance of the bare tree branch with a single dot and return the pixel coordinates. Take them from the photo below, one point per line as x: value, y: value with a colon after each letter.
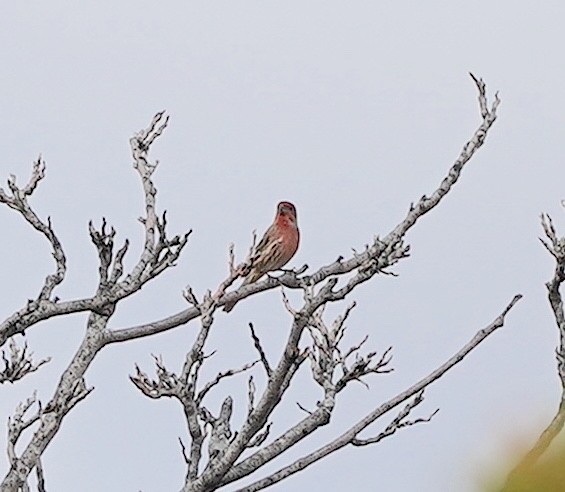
x: 18, y: 423
x: 332, y: 366
x: 320, y: 289
x: 40, y: 476
x: 251, y: 395
x: 165, y: 384
x: 555, y: 245
x: 557, y: 249
x: 347, y: 437
x: 221, y: 432
x: 34, y: 312
x: 70, y: 390
x: 184, y: 388
x: 374, y: 259
x: 399, y: 422
x: 18, y: 201
x: 18, y: 363
x: 221, y: 375
x: 261, y: 437
x: 259, y: 348
x: 159, y: 253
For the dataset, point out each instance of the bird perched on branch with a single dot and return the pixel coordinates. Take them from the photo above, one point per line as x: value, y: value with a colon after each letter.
x: 276, y: 248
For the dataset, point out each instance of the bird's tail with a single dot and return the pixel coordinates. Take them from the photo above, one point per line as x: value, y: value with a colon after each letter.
x: 252, y: 277
x: 228, y: 306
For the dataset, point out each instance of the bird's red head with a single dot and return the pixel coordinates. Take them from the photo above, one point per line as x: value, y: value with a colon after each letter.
x: 286, y: 209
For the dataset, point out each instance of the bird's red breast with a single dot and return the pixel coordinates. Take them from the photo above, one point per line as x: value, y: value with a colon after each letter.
x: 287, y: 229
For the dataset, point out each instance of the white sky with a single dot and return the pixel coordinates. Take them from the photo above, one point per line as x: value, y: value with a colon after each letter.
x: 349, y: 109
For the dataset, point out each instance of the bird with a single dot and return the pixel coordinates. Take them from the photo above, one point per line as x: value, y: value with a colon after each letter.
x: 277, y: 246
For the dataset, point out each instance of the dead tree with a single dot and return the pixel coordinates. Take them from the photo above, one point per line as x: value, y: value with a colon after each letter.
x: 233, y: 451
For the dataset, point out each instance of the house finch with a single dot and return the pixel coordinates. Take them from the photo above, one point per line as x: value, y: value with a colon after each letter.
x: 276, y: 248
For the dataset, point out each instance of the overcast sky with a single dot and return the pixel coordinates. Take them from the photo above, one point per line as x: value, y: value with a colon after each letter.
x: 351, y: 110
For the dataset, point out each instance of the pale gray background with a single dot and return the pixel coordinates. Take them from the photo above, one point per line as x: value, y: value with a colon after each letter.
x: 349, y: 109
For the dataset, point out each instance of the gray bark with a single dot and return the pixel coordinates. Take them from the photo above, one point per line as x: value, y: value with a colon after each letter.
x: 333, y: 366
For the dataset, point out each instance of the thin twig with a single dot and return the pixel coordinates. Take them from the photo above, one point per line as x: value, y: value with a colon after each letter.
x: 259, y: 348
x: 347, y: 437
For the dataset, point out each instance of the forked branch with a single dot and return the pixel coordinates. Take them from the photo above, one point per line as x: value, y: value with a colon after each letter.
x: 375, y: 258
x: 555, y: 245
x: 18, y: 362
x: 158, y: 254
x: 333, y: 365
x: 351, y: 436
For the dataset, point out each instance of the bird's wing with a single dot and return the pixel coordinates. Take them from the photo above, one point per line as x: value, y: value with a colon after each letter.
x: 264, y: 241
